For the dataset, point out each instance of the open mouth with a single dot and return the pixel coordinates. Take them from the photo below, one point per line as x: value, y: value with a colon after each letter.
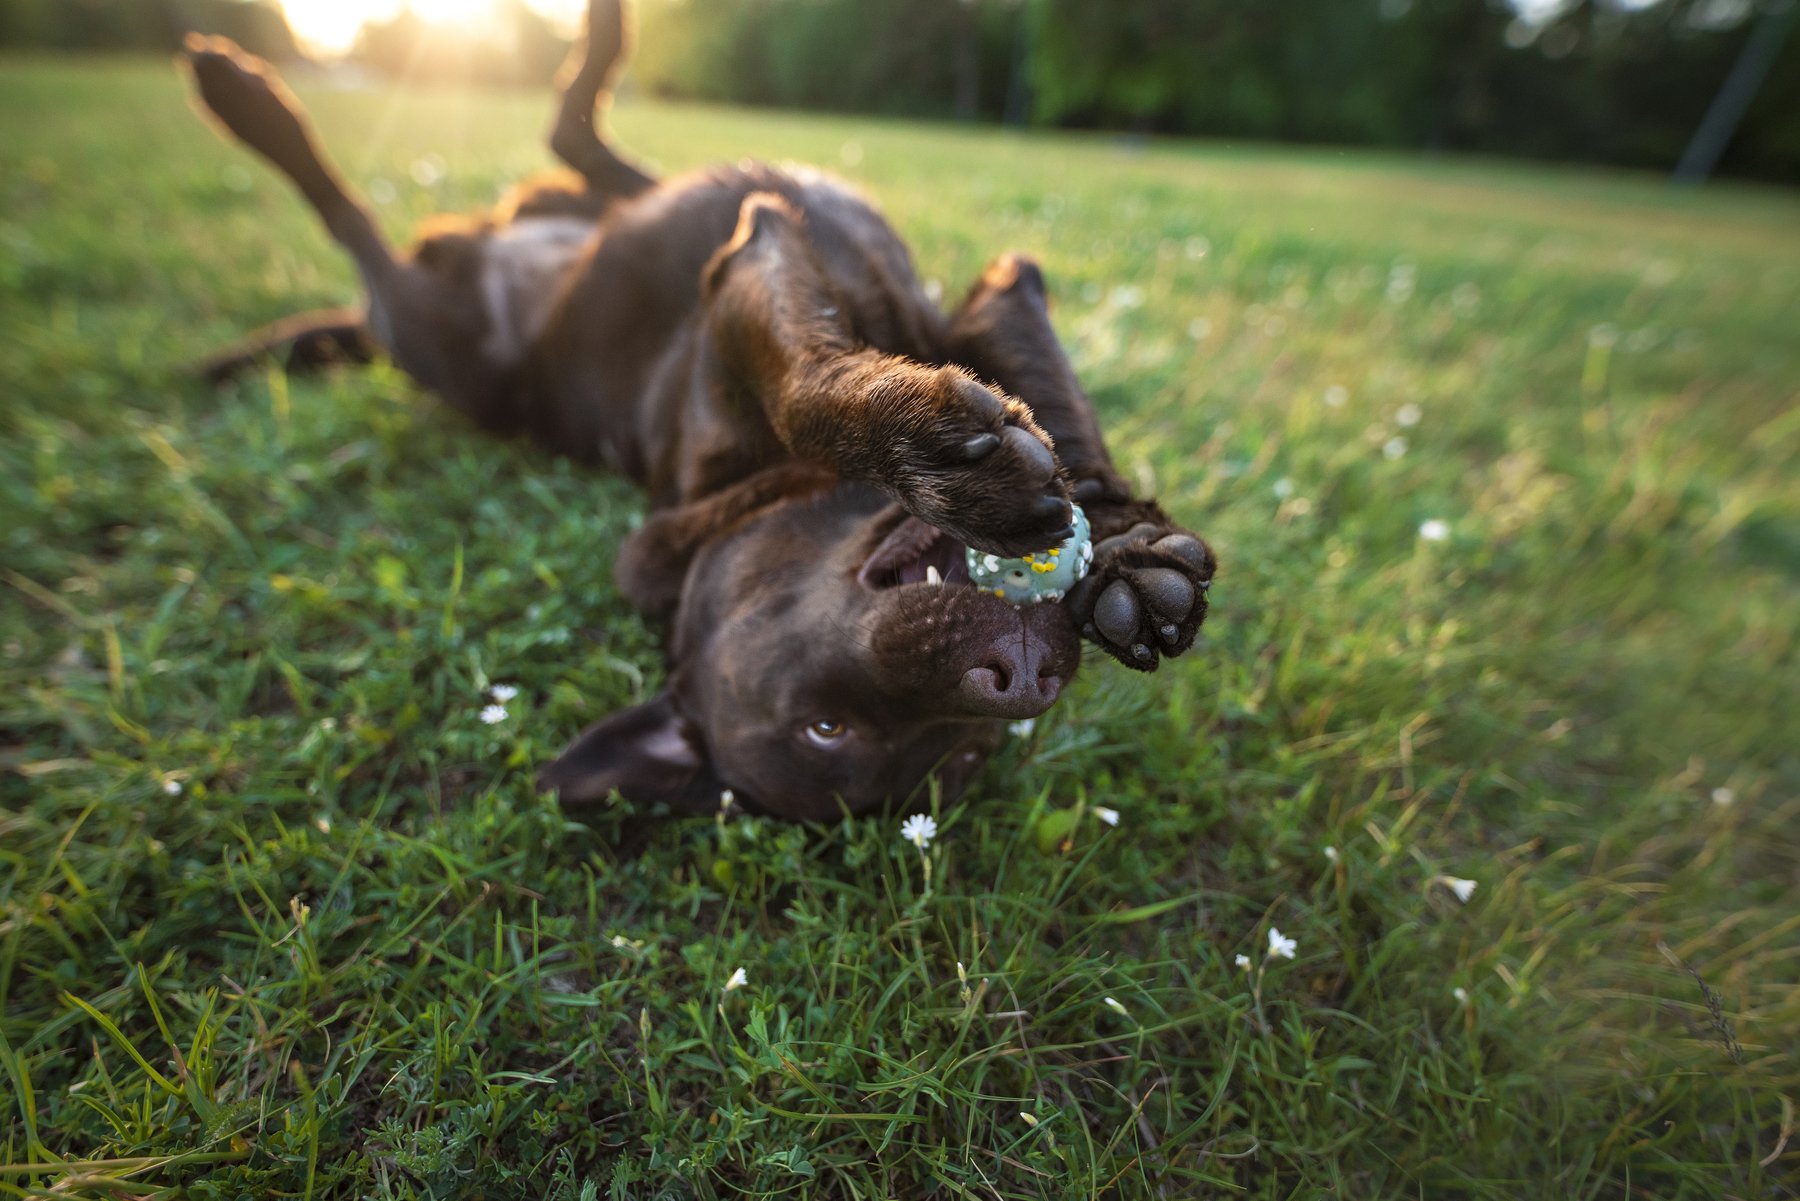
x: 915, y: 553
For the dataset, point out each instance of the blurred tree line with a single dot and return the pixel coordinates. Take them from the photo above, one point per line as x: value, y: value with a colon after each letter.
x: 1614, y: 81
x: 1596, y: 80
x: 142, y: 24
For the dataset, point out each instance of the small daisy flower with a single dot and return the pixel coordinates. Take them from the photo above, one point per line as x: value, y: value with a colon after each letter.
x: 1331, y: 854
x: 1720, y: 796
x: 1435, y: 530
x: 503, y: 692
x: 738, y: 979
x: 1408, y: 415
x: 1280, y: 945
x: 1243, y: 963
x: 1116, y: 1007
x: 1109, y: 816
x: 1464, y: 889
x: 919, y: 829
x: 1461, y: 995
x: 1023, y: 727
x: 493, y: 715
x: 1394, y: 447
x: 172, y: 787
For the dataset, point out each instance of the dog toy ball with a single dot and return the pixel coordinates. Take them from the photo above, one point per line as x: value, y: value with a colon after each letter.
x: 1042, y: 576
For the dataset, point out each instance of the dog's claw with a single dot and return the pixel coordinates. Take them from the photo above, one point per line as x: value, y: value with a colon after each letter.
x: 1142, y: 653
x: 980, y: 447
x: 1169, y: 631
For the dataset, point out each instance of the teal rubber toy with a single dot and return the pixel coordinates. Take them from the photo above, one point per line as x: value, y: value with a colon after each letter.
x: 1046, y: 575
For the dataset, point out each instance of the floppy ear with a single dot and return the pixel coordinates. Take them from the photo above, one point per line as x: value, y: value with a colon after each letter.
x: 650, y: 754
x: 653, y: 562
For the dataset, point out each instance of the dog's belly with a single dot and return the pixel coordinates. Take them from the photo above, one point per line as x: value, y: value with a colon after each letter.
x: 523, y: 270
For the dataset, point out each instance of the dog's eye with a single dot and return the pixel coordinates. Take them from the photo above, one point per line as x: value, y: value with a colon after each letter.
x: 825, y: 732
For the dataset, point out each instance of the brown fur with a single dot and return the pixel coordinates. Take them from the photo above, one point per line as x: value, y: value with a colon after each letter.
x: 752, y: 347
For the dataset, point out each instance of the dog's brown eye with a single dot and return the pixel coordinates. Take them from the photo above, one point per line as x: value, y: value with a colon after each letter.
x: 825, y: 732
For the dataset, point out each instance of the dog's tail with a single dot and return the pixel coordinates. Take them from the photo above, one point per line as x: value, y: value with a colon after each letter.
x: 255, y: 107
x: 576, y: 137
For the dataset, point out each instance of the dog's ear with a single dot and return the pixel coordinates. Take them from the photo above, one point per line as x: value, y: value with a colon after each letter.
x: 653, y: 562
x: 650, y: 754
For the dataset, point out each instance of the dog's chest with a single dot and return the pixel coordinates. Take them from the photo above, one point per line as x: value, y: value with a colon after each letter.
x: 522, y: 271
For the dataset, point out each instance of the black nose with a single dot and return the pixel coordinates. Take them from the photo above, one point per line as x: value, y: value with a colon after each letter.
x: 1016, y: 678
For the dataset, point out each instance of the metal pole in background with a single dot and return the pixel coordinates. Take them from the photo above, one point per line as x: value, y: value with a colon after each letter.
x: 1728, y: 107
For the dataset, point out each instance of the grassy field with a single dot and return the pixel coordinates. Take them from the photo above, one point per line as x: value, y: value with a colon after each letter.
x: 1501, y: 463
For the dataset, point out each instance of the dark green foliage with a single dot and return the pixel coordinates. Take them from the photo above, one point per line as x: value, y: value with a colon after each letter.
x: 143, y: 24
x: 280, y: 915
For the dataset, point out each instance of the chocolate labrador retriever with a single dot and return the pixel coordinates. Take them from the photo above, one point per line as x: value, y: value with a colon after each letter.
x: 819, y: 443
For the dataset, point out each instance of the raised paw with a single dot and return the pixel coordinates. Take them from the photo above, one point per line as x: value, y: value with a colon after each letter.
x: 1146, y: 594
x: 244, y: 93
x: 982, y: 471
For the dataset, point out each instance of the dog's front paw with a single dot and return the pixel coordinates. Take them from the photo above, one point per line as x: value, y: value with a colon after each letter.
x: 1146, y: 594
x: 979, y: 468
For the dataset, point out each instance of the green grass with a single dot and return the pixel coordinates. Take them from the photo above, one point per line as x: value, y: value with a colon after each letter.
x: 280, y: 916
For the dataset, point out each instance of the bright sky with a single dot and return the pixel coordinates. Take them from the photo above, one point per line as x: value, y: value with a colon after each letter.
x: 330, y: 26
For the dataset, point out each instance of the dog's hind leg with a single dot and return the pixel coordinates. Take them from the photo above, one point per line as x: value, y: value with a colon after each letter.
x: 256, y: 108
x: 424, y: 309
x: 575, y: 138
x: 302, y: 343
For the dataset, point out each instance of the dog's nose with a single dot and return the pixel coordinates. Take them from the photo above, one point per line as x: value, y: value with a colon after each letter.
x: 1015, y: 678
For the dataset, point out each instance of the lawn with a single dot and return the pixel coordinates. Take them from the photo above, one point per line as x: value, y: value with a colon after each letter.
x: 1501, y: 465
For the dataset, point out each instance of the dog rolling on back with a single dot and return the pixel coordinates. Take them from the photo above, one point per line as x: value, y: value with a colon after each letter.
x: 818, y: 441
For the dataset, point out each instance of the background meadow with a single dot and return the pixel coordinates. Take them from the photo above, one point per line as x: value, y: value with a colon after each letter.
x: 1494, y: 717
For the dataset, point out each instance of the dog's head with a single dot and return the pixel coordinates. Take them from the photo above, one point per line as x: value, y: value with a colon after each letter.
x: 828, y: 654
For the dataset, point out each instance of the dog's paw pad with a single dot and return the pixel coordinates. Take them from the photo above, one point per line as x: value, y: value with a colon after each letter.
x: 1146, y: 596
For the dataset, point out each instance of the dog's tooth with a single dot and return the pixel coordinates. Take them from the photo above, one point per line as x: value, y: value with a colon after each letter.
x: 932, y: 576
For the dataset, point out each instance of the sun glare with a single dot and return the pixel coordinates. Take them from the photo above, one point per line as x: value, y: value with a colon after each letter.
x: 329, y: 27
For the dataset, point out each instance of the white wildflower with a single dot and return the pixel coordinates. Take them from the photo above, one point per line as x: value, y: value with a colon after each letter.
x: 738, y: 979
x: 1243, y: 963
x: 172, y: 786
x: 1434, y: 530
x: 1280, y: 945
x: 503, y: 692
x: 1408, y: 416
x: 1461, y: 995
x: 1109, y: 816
x: 1023, y: 727
x: 919, y: 829
x: 493, y: 715
x: 1394, y: 447
x: 1464, y: 889
x: 1331, y: 854
x: 1720, y: 796
x: 727, y: 801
